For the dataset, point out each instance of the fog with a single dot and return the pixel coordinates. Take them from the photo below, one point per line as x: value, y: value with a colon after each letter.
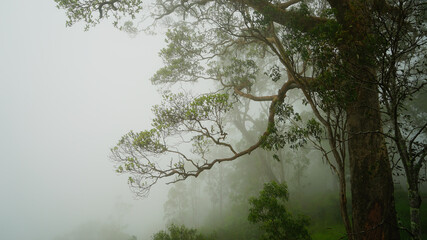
x: 66, y: 97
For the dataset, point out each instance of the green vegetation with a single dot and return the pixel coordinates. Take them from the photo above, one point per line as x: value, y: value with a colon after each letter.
x: 269, y: 210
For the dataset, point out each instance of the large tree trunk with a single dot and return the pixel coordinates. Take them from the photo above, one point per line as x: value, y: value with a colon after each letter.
x: 374, y: 215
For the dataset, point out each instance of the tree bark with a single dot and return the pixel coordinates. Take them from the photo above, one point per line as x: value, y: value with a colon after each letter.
x: 373, y: 208
x: 374, y: 214
x: 412, y: 171
x: 343, y: 207
x: 414, y: 208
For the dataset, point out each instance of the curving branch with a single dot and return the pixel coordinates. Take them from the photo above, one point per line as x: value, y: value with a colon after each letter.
x: 102, y: 4
x: 140, y: 154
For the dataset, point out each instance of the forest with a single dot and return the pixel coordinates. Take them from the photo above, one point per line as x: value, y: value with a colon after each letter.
x: 297, y: 119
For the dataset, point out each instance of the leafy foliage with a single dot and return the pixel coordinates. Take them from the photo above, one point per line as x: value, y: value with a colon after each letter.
x: 199, y: 119
x: 182, y: 55
x: 269, y: 210
x: 290, y: 129
x: 92, y: 11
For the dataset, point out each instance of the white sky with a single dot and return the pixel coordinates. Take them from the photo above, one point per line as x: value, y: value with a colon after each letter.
x: 66, y: 97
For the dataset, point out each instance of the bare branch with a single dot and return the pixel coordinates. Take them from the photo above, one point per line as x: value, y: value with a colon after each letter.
x: 111, y: 3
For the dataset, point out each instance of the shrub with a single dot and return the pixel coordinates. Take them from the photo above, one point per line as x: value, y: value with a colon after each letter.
x: 270, y: 212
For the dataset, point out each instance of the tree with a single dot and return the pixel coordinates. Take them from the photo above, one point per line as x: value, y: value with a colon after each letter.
x: 269, y: 210
x: 402, y: 78
x: 329, y: 50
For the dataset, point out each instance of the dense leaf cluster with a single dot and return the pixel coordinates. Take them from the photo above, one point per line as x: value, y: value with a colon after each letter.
x: 92, y: 11
x: 270, y: 212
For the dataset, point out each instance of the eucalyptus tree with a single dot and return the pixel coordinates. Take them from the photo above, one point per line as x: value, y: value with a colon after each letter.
x: 402, y: 81
x: 329, y: 50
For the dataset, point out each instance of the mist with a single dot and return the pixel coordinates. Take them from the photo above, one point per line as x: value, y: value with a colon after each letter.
x: 66, y: 98
x: 89, y: 122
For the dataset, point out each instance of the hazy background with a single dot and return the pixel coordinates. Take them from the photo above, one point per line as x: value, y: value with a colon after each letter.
x: 66, y: 97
